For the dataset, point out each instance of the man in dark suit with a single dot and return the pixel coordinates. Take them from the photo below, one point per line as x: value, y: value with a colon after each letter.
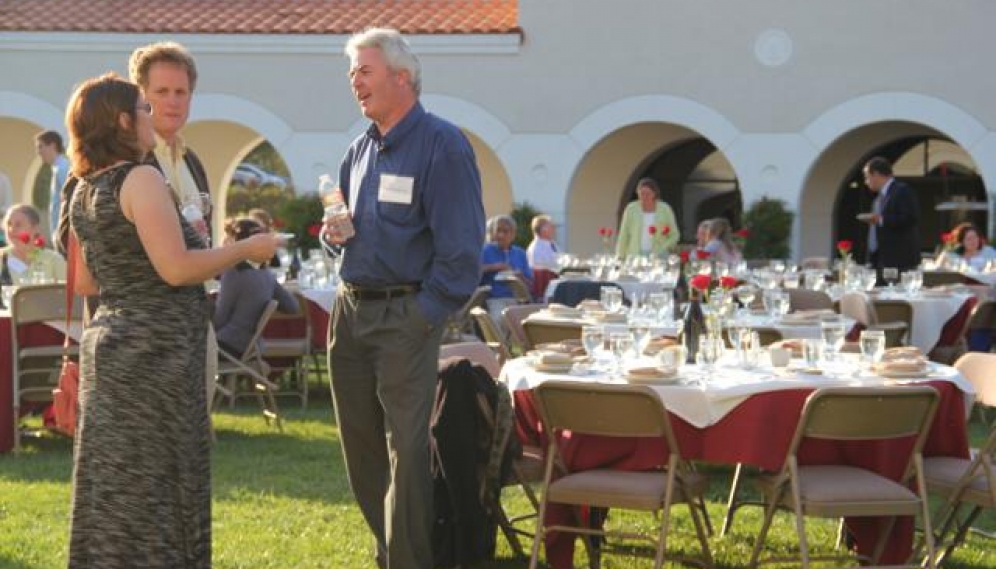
x: 893, y: 236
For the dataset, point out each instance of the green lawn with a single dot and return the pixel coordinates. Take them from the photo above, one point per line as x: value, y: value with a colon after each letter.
x: 281, y: 501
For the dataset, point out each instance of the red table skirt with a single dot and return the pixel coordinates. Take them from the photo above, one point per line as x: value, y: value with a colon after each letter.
x: 31, y: 335
x: 757, y: 432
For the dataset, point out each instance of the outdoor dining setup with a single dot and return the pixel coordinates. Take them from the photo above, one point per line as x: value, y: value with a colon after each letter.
x: 810, y: 383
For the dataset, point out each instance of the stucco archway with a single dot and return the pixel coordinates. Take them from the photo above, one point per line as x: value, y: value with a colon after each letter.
x: 21, y: 118
x: 847, y: 132
x: 617, y: 141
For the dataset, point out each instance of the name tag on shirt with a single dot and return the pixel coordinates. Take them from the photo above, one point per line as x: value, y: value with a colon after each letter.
x: 395, y: 189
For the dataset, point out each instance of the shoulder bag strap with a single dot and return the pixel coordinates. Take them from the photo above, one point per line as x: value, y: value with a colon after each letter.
x: 72, y: 256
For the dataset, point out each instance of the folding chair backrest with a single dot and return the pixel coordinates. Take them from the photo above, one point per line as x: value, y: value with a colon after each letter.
x: 856, y: 305
x: 514, y: 314
x: 939, y: 278
x: 477, y: 352
x: 252, y: 350
x: 489, y: 331
x: 980, y: 370
x: 39, y: 303
x: 894, y: 311
x: 302, y: 314
x: 767, y: 335
x: 601, y: 409
x: 541, y: 333
x: 805, y: 299
x: 866, y: 413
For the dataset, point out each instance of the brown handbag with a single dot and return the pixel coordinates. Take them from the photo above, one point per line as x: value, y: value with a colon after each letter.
x: 65, y: 397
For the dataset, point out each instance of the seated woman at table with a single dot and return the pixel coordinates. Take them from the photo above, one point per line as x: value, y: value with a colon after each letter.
x: 971, y: 249
x: 721, y: 246
x: 244, y: 291
x: 25, y: 258
x: 500, y: 256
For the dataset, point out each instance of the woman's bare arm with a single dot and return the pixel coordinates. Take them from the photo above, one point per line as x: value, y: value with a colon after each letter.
x: 146, y: 201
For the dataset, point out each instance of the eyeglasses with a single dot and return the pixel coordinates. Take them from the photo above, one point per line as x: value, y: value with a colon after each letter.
x: 147, y: 107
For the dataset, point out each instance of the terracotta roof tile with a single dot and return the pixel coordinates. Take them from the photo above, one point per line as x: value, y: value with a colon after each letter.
x: 260, y: 16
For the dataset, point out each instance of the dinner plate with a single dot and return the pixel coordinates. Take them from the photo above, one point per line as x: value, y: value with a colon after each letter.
x: 903, y: 374
x: 665, y: 376
x: 554, y: 368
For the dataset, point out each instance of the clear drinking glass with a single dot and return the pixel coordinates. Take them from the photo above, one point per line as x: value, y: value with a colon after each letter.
x: 872, y: 344
x: 612, y: 298
x: 811, y: 352
x: 6, y: 294
x: 832, y: 331
x: 746, y: 295
x: 711, y: 348
x: 593, y: 338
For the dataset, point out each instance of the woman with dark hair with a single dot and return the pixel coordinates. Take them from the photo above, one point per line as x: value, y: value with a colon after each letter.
x: 142, y: 469
x: 244, y: 293
x: 971, y: 249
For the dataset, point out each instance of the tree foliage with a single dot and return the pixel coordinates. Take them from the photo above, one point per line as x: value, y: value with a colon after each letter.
x: 770, y: 224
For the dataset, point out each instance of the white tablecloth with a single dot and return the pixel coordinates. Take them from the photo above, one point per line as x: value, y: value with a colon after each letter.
x: 703, y: 399
x: 930, y: 313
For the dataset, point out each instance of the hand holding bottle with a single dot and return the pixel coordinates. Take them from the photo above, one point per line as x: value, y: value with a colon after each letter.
x: 338, y: 219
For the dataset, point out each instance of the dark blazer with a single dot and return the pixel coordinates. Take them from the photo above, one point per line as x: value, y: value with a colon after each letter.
x: 62, y: 231
x: 899, y: 235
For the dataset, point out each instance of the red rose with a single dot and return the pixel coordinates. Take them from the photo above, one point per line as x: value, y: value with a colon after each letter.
x: 608, y: 232
x: 728, y: 282
x: 743, y: 233
x: 948, y: 237
x: 315, y: 229
x: 278, y: 223
x: 684, y: 256
x: 603, y: 231
x: 701, y: 282
x: 24, y: 237
x: 665, y: 229
x: 702, y: 255
x: 39, y: 241
x: 652, y: 230
x: 844, y: 246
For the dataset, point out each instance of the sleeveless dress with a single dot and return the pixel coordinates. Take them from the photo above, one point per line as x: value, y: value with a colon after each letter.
x: 142, y: 473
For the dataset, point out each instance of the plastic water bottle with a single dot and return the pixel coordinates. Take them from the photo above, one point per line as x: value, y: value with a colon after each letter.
x: 336, y: 209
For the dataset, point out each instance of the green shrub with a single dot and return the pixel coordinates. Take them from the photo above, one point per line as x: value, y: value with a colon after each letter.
x: 302, y: 216
x: 523, y: 215
x: 770, y: 224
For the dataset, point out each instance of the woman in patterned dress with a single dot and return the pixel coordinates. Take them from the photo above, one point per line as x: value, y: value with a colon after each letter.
x: 141, y: 476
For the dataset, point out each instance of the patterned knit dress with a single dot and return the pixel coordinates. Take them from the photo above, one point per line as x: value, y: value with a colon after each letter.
x: 142, y: 473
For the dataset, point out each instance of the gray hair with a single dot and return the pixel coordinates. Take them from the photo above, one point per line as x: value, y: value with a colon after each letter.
x: 397, y: 52
x: 497, y: 220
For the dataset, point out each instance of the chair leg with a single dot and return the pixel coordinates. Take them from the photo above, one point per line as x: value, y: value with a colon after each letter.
x: 732, y: 503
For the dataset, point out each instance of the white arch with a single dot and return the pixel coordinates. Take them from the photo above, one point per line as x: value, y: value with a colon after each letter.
x: 962, y: 127
x: 654, y: 108
x: 218, y: 106
x: 32, y: 109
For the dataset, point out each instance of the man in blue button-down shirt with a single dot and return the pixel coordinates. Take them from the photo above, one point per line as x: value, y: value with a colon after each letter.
x: 412, y: 184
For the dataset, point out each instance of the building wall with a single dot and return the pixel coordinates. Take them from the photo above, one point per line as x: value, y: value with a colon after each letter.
x: 789, y: 92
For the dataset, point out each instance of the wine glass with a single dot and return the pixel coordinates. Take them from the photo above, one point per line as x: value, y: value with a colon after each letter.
x: 890, y: 275
x: 621, y: 344
x: 641, y: 336
x: 746, y: 295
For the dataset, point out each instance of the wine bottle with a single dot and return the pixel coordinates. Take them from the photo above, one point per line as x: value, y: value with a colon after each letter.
x: 693, y: 326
